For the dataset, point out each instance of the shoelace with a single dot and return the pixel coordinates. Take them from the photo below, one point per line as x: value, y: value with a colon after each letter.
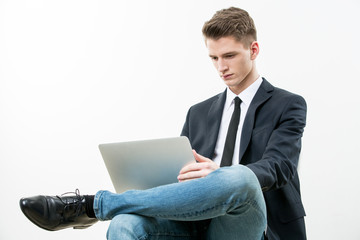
x: 78, y: 202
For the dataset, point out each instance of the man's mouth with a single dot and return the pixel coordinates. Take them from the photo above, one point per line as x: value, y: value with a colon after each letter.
x: 227, y: 76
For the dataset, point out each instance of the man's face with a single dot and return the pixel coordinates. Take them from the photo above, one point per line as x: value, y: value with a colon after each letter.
x: 234, y: 62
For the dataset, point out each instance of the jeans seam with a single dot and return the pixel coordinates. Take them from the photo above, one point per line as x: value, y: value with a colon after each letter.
x: 146, y: 236
x: 172, y: 234
x: 197, y: 213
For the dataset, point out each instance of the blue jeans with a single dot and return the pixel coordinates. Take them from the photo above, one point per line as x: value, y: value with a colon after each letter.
x: 227, y: 204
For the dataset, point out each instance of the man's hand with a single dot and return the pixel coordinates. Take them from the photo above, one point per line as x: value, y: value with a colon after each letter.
x: 199, y: 169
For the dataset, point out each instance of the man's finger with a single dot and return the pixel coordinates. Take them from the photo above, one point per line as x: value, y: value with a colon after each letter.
x: 191, y: 167
x: 200, y: 158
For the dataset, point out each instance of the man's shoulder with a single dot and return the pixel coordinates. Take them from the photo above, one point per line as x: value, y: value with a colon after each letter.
x: 285, y: 95
x: 208, y: 102
x: 280, y: 93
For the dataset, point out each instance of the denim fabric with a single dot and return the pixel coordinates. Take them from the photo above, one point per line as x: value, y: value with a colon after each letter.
x: 230, y: 196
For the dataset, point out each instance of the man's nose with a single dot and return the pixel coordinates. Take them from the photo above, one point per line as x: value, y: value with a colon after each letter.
x: 222, y: 66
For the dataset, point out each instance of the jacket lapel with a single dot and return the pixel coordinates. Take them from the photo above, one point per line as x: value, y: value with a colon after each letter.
x: 213, y: 123
x: 264, y: 93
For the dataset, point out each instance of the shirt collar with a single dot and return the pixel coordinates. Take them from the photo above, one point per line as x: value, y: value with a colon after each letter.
x: 246, y: 96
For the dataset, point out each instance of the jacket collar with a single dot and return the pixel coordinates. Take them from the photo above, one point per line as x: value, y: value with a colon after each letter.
x: 213, y: 123
x: 262, y: 95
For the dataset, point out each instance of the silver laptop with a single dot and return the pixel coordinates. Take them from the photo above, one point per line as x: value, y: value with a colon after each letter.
x: 145, y: 164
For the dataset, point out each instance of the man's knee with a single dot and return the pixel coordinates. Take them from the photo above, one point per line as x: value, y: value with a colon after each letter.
x: 126, y: 227
x: 242, y: 177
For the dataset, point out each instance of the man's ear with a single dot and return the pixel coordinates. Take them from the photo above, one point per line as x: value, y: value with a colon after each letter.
x: 254, y: 50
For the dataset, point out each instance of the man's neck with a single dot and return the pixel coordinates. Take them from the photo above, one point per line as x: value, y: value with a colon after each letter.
x: 248, y: 80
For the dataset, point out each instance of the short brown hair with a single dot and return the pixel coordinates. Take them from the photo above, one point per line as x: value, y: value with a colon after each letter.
x: 233, y: 22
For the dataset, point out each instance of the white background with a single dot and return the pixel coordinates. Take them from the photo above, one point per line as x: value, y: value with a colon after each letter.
x: 75, y: 73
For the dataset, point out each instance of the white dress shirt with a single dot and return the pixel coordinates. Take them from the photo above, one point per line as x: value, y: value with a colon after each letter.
x: 246, y: 97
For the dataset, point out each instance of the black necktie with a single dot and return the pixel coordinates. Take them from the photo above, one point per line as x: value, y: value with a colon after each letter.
x: 228, y: 153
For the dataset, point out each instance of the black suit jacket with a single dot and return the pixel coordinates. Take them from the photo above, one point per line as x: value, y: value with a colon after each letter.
x: 270, y: 147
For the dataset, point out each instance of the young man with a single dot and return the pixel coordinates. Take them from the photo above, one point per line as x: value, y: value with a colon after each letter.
x: 252, y: 130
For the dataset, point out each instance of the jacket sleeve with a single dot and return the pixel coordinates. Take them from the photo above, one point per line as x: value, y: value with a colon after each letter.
x: 279, y: 161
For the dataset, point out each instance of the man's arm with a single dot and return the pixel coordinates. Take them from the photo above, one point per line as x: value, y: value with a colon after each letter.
x: 279, y: 162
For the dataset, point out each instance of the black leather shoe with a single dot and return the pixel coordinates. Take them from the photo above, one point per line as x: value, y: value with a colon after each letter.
x: 58, y: 212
